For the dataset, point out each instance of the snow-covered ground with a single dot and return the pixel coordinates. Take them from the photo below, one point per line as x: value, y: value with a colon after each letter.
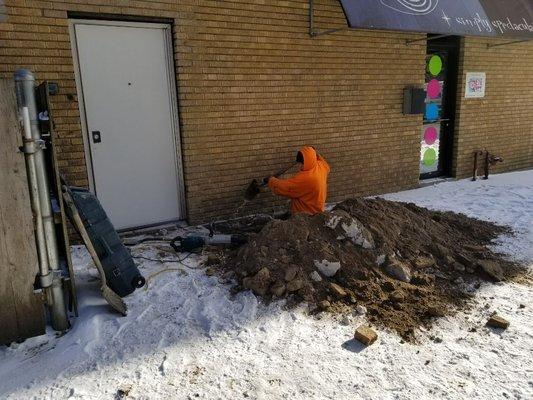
x: 187, y: 337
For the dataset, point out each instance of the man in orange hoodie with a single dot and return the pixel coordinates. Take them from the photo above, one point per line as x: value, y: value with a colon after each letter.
x: 308, y: 188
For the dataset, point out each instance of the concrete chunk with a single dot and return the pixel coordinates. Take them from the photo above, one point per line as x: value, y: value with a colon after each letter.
x: 398, y: 270
x: 365, y: 335
x: 496, y: 321
x: 337, y: 290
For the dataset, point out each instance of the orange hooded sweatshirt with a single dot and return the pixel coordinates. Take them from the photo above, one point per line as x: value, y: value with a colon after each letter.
x: 308, y: 188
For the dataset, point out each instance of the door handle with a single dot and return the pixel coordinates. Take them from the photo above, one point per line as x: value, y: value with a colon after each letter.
x: 97, y: 136
x: 437, y: 121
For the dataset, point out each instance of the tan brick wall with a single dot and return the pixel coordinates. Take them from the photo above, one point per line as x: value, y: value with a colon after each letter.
x: 253, y: 87
x: 502, y: 122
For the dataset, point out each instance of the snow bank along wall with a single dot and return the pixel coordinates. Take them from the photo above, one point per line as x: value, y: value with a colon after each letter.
x: 253, y: 86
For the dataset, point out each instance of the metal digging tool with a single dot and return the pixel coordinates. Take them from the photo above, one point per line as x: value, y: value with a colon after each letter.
x: 111, y: 297
x: 254, y: 188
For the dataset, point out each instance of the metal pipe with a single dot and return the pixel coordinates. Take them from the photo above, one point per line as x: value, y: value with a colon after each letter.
x: 29, y: 153
x: 477, y: 154
x: 26, y: 83
x: 490, y: 45
x: 25, y: 87
x: 487, y: 165
x: 329, y: 31
x: 312, y: 31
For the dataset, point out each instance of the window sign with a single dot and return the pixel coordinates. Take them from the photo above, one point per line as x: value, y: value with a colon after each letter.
x: 431, y: 129
x: 475, y: 85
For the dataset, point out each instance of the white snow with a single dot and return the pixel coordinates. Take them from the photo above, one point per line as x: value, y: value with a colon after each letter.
x: 328, y: 268
x: 506, y: 199
x: 380, y: 260
x: 354, y: 231
x: 187, y: 337
x: 333, y: 221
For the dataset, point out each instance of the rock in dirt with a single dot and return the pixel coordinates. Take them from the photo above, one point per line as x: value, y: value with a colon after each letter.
x: 436, y: 312
x: 212, y: 259
x: 492, y: 269
x: 346, y: 320
x: 457, y: 266
x: 295, y: 285
x: 337, y: 290
x: 449, y: 261
x: 124, y: 391
x: 210, y: 271
x: 228, y: 275
x: 380, y: 260
x: 397, y: 296
x: 315, y: 276
x: 475, y: 248
x: 328, y: 268
x: 440, y: 250
x: 466, y: 260
x: 259, y: 282
x: 291, y: 273
x: 423, y: 279
x: 496, y: 321
x: 398, y: 270
x: 360, y: 310
x: 324, y: 305
x: 424, y: 262
x: 365, y: 335
x: 278, y: 289
x: 388, y: 286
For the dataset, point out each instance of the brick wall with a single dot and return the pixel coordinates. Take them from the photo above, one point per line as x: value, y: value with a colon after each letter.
x: 502, y: 122
x: 253, y: 87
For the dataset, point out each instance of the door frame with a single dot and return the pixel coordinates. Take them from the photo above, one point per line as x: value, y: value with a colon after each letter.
x: 451, y: 44
x: 173, y: 96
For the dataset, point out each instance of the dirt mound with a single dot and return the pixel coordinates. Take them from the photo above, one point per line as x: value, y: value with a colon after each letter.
x: 405, y: 264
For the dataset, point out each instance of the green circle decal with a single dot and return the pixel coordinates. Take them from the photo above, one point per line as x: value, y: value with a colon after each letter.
x: 435, y: 65
x: 430, y: 157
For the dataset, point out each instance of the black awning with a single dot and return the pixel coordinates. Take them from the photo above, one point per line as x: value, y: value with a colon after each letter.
x: 493, y: 18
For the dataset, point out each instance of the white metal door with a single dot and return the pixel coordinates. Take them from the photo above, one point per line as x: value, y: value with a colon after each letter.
x: 130, y: 121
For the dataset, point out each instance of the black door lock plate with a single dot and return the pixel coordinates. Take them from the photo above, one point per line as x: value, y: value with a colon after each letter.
x: 97, y: 137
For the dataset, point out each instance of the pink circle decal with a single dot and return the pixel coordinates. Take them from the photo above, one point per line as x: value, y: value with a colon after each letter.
x: 430, y: 135
x: 433, y: 89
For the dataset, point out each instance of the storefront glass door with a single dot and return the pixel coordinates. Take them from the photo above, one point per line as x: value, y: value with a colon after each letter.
x: 437, y: 130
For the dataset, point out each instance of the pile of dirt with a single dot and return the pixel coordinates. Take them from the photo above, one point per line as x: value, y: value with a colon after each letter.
x: 405, y: 264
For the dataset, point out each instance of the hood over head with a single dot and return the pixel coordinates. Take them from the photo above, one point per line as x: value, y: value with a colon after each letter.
x: 310, y: 158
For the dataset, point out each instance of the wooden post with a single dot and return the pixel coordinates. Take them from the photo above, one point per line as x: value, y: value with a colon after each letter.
x: 21, y: 310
